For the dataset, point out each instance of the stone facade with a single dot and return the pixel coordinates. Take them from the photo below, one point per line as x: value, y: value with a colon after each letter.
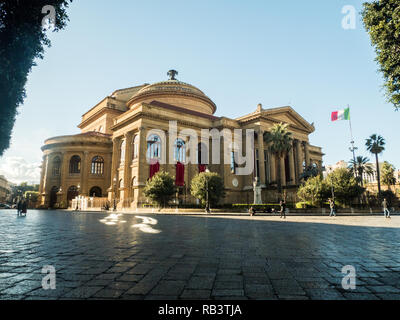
x: 110, y: 158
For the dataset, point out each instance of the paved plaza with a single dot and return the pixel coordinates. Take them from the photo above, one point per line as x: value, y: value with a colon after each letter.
x: 103, y: 256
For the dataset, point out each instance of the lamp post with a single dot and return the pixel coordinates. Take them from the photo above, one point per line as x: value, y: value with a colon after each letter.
x: 115, y: 193
x: 77, y: 198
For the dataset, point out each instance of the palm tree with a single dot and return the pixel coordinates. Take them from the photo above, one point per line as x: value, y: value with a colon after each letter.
x: 361, y: 166
x: 280, y: 143
x: 376, y: 144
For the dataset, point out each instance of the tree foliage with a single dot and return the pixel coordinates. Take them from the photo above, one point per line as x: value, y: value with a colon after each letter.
x: 22, y: 189
x: 340, y: 183
x: 376, y: 145
x: 215, y: 187
x: 362, y: 166
x: 388, y: 177
x: 382, y: 22
x: 310, y: 172
x: 22, y: 39
x: 344, y: 184
x: 160, y: 189
x: 313, y: 190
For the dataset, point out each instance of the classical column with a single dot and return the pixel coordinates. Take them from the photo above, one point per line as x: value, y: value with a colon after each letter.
x: 46, y: 168
x: 292, y: 168
x: 115, y: 162
x: 283, y: 173
x: 306, y: 153
x: 273, y: 167
x: 143, y: 168
x: 299, y: 157
x: 127, y: 168
x: 42, y: 174
x: 261, y: 174
x: 64, y: 175
x: 85, y: 174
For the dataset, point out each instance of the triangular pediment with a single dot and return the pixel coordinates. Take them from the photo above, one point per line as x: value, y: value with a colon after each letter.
x: 288, y: 115
x: 281, y: 114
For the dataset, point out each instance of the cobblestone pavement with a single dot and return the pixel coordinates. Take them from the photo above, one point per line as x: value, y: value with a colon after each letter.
x: 197, y: 257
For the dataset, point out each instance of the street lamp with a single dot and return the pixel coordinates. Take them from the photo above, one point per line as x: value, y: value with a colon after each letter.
x: 115, y: 193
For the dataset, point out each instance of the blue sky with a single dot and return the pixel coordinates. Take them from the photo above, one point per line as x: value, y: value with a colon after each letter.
x: 240, y: 53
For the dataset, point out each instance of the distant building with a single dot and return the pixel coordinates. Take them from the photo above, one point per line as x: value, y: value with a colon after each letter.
x: 339, y: 165
x: 5, y: 189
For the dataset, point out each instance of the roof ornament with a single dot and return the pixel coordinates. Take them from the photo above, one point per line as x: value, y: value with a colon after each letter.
x: 259, y: 108
x: 171, y: 74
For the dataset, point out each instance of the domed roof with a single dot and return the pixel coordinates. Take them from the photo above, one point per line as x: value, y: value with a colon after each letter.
x: 172, y: 88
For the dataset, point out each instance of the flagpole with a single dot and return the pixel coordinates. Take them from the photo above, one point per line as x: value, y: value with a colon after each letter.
x: 352, y: 148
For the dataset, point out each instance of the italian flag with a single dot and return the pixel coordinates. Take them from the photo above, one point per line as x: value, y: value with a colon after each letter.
x: 341, y: 115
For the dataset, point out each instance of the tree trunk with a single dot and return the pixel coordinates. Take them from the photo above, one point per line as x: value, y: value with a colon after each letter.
x: 378, y: 176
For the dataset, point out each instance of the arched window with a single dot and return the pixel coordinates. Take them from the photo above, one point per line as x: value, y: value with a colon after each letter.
x: 122, y: 152
x: 154, y: 147
x: 121, y: 183
x: 75, y: 164
x: 180, y: 151
x: 135, y: 147
x: 95, y: 192
x: 56, y: 166
x: 134, y: 182
x: 97, y: 165
x: 72, y: 193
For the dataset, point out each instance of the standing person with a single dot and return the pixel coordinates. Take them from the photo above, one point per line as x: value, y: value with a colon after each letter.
x: 333, y: 207
x: 19, y: 207
x: 24, y: 207
x: 283, y: 208
x: 386, y: 211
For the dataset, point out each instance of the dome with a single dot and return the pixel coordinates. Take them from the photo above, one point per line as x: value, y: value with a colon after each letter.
x: 176, y: 93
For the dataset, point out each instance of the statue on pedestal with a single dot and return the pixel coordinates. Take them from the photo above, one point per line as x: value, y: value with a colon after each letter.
x: 257, y: 191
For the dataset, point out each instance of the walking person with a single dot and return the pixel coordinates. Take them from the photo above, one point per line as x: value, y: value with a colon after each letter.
x: 333, y: 207
x: 283, y: 208
x: 386, y: 211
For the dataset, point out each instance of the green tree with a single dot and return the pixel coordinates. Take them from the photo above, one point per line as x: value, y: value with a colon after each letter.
x: 160, y: 189
x: 21, y: 189
x: 22, y: 39
x: 207, y: 185
x: 376, y: 144
x: 343, y: 185
x: 313, y: 190
x: 382, y: 22
x: 361, y: 165
x: 310, y: 172
x: 388, y: 177
x: 280, y: 142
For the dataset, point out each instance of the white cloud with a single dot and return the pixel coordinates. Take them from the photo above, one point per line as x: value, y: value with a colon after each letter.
x: 17, y: 170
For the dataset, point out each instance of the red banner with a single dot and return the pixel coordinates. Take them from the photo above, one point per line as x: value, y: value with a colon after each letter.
x: 180, y: 174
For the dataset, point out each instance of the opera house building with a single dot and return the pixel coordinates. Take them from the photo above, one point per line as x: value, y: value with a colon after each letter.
x: 118, y: 148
